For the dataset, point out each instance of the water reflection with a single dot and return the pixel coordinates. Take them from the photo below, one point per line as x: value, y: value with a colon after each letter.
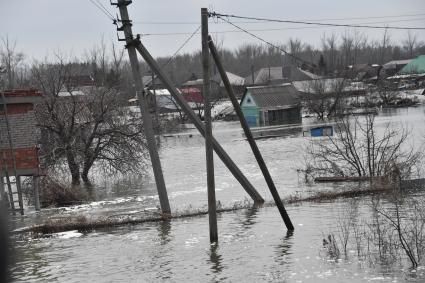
x: 163, y: 251
x: 283, y: 249
x: 250, y: 217
x: 215, y: 259
x: 164, y: 229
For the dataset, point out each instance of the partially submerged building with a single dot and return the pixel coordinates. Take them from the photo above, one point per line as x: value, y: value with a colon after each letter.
x: 19, y: 138
x: 362, y: 72
x: 271, y: 105
x: 278, y: 75
x: 393, y: 67
x: 412, y: 75
x: 415, y: 66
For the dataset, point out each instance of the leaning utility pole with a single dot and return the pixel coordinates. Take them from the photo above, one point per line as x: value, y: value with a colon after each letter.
x: 249, y: 137
x: 144, y: 108
x: 208, y: 128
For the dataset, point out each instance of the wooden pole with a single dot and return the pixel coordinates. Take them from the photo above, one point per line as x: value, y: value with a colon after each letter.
x: 5, y: 170
x: 208, y: 128
x: 144, y: 108
x: 35, y: 186
x: 249, y: 137
x: 198, y: 124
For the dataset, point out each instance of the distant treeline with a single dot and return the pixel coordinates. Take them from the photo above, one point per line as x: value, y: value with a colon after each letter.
x: 335, y: 53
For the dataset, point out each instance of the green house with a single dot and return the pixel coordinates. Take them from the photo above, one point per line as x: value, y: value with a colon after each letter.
x: 271, y: 105
x: 415, y: 66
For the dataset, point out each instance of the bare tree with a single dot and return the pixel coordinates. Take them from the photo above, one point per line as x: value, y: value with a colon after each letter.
x: 383, y: 46
x: 85, y: 126
x: 357, y: 149
x: 324, y: 97
x: 347, y: 46
x: 329, y: 47
x: 10, y: 59
x: 386, y: 93
x: 410, y: 43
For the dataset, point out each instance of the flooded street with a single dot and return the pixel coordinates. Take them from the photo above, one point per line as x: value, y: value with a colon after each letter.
x: 253, y: 243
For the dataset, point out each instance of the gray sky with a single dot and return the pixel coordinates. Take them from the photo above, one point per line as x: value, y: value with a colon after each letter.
x: 73, y: 26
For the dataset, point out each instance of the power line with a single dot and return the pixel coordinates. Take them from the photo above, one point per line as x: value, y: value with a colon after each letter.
x: 103, y: 10
x: 217, y: 15
x: 177, y: 51
x: 314, y: 20
x: 255, y: 30
x: 271, y: 44
x: 363, y: 18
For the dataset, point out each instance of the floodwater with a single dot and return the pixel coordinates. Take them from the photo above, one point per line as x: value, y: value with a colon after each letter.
x: 253, y: 243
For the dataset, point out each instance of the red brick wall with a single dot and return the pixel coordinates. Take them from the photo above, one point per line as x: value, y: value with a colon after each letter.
x: 17, y: 108
x: 22, y: 125
x: 26, y: 158
x: 22, y: 92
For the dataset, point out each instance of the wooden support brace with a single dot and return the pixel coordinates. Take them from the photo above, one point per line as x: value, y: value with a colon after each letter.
x: 249, y: 188
x: 249, y: 137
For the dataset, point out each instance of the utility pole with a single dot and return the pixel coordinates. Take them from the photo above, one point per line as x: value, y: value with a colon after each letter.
x: 248, y: 187
x: 144, y: 108
x: 208, y: 128
x: 250, y: 138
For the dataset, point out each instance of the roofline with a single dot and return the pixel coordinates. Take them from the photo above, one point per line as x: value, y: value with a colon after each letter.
x: 267, y: 86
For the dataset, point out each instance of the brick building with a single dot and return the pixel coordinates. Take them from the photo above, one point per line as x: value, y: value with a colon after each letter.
x: 23, y: 132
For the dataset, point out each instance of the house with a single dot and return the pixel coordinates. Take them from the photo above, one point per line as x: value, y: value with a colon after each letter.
x: 293, y: 73
x: 415, y: 66
x: 24, y: 132
x: 19, y: 144
x: 192, y: 90
x: 393, y: 67
x: 279, y: 75
x: 362, y: 72
x: 412, y: 75
x: 322, y: 86
x: 152, y: 82
x: 80, y: 80
x: 237, y: 83
x: 234, y: 80
x: 158, y: 100
x: 271, y: 105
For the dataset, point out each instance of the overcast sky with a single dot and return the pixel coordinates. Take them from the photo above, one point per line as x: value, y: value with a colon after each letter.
x: 73, y: 26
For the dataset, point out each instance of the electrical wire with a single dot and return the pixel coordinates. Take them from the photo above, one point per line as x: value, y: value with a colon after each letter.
x: 251, y: 30
x: 315, y: 20
x: 265, y: 29
x: 271, y: 44
x: 221, y: 16
x: 176, y: 52
x: 103, y: 10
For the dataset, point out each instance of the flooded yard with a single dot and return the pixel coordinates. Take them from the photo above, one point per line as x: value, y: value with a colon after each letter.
x: 253, y: 246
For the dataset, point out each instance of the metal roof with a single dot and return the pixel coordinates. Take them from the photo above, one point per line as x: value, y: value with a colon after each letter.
x: 394, y: 63
x: 274, y: 96
x: 279, y: 75
x: 416, y: 66
x: 233, y: 79
x: 320, y: 86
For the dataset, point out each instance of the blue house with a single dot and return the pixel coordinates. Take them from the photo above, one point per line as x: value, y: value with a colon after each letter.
x: 271, y: 105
